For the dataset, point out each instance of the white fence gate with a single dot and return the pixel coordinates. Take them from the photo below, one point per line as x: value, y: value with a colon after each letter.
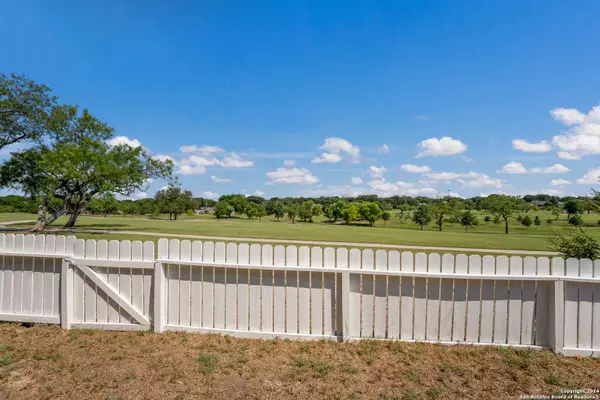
x: 266, y: 291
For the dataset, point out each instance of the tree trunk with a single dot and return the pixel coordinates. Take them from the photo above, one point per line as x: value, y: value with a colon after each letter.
x: 506, y: 225
x: 42, y: 218
x: 421, y: 227
x: 466, y: 230
x: 72, y: 218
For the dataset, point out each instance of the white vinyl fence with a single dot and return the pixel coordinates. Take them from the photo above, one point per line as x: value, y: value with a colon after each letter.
x: 266, y: 291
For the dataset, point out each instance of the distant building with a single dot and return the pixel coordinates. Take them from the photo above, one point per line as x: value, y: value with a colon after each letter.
x: 205, y: 210
x: 539, y: 203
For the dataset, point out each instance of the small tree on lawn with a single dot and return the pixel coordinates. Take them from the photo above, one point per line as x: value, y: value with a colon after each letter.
x: 278, y: 211
x: 468, y: 219
x: 223, y: 210
x: 487, y: 218
x: 252, y: 211
x: 576, y: 220
x: 422, y: 216
x: 572, y: 207
x: 174, y: 201
x: 440, y: 211
x: 292, y: 213
x: 385, y: 217
x: 502, y: 205
x: 350, y: 213
x: 262, y: 211
x: 526, y: 221
x: 537, y: 221
x: 370, y: 212
x: 549, y: 221
x: 496, y: 220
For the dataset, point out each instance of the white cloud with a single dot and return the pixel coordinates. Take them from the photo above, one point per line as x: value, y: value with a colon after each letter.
x: 443, y: 176
x: 583, y: 136
x: 518, y: 168
x: 377, y: 172
x: 383, y: 188
x: 334, y: 190
x: 339, y: 145
x: 514, y: 168
x: 191, y: 170
x: 476, y: 180
x: 327, y: 158
x: 551, y: 192
x: 118, y: 140
x: 357, y: 180
x: 417, y: 169
x: 444, y: 146
x: 216, y: 179
x: 292, y: 175
x: 525, y: 146
x: 454, y: 194
x: 568, y: 116
x: 196, y: 165
x: 140, y: 195
x: 565, y: 155
x: 383, y: 149
x: 210, y: 195
x: 235, y: 161
x: 258, y: 193
x: 289, y: 163
x: 591, y: 178
x: 560, y: 182
x: 205, y: 150
x: 335, y: 148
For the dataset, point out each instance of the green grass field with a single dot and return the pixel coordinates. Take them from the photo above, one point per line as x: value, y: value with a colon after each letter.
x: 485, y: 235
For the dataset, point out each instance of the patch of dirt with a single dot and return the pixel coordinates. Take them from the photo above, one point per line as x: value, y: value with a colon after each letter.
x: 45, y: 362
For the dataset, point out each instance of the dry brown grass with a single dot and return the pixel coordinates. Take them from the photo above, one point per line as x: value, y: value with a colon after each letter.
x: 45, y: 362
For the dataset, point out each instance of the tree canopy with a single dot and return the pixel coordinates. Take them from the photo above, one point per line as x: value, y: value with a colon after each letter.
x: 502, y: 205
x: 77, y: 164
x: 25, y: 109
x: 174, y: 201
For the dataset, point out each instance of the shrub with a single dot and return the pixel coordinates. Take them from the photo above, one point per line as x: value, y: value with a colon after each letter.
x: 526, y: 221
x: 487, y: 218
x: 576, y: 220
x: 577, y: 245
x: 520, y: 219
x: 549, y: 221
x: 537, y: 221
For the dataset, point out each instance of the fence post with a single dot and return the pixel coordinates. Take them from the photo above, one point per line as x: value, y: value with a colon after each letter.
x: 66, y: 294
x: 159, y: 297
x: 557, y: 316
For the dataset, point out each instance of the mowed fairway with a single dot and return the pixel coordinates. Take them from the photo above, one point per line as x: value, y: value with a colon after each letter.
x: 485, y: 236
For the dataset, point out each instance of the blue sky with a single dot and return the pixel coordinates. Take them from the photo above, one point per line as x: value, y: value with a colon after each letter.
x: 299, y: 98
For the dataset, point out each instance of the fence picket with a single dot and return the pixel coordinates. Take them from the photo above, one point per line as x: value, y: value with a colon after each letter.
x: 219, y: 299
x: 420, y: 301
x: 596, y: 309
x: 501, y: 301
x: 446, y: 295
x: 586, y: 298
x: 406, y: 312
x: 473, y: 300
x: 367, y: 294
x: 316, y: 292
x: 460, y: 299
x: 291, y: 290
x: 208, y: 255
x: 304, y: 291
x: 196, y: 286
x: 571, y: 304
x: 528, y: 302
x: 254, y: 289
x: 37, y: 301
x: 243, y: 288
x: 279, y: 291
x: 173, y: 277
x: 380, y: 306
x: 185, y: 284
x: 231, y: 288
x: 49, y: 276
x: 90, y: 290
x: 433, y: 298
x: 114, y: 310
x: 78, y: 283
x: 393, y: 312
x: 542, y: 323
x: 267, y: 290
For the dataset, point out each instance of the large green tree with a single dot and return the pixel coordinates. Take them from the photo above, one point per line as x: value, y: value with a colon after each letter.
x: 370, y: 212
x: 422, y: 215
x: 76, y: 164
x: 25, y: 109
x: 174, y: 201
x: 440, y: 211
x: 502, y: 205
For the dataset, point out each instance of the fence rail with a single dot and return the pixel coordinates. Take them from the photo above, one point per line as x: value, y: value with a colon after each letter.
x: 301, y: 292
